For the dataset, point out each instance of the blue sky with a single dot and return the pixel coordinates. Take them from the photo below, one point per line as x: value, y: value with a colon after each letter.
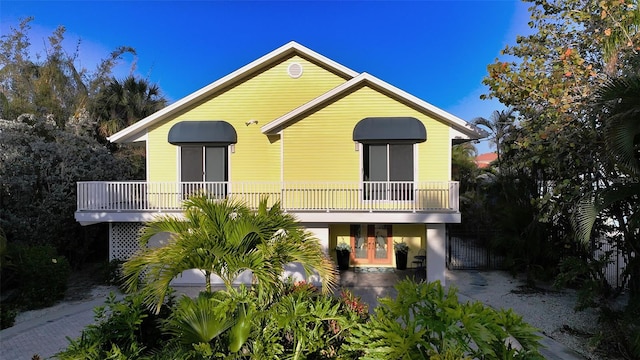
x: 435, y: 50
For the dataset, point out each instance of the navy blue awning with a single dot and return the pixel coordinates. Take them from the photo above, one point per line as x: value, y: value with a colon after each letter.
x: 389, y: 129
x: 203, y: 132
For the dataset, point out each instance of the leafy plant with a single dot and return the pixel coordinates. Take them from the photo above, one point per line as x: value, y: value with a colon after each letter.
x: 401, y: 247
x: 200, y: 320
x: 425, y: 322
x: 123, y: 329
x: 342, y: 246
x: 304, y: 323
x: 7, y: 316
x: 42, y: 275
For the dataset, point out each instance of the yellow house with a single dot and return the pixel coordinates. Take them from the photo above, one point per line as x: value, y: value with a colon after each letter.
x: 355, y: 159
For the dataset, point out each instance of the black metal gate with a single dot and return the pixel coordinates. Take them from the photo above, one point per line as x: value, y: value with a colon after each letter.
x: 471, y: 250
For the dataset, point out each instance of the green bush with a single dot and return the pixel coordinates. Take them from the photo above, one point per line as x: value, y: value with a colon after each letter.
x: 303, y: 323
x: 7, y: 316
x: 41, y: 275
x: 300, y: 322
x: 425, y: 322
x: 111, y: 273
x: 123, y: 329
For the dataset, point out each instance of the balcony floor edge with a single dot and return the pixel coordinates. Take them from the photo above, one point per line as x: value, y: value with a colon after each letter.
x: 395, y: 217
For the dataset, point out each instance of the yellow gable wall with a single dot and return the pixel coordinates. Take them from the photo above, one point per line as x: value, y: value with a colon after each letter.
x: 320, y: 147
x: 264, y: 97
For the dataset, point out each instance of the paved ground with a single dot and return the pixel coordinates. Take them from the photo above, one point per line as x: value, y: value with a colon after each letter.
x: 47, y: 335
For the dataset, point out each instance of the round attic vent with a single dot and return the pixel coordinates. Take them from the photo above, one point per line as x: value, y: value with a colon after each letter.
x: 294, y: 70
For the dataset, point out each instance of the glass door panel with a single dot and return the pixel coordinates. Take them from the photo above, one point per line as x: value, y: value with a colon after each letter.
x: 216, y: 171
x: 381, y: 246
x: 360, y: 245
x: 371, y: 244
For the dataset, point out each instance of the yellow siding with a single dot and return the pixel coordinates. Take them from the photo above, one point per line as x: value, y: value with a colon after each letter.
x: 338, y: 233
x: 320, y: 147
x: 264, y: 97
x: 412, y: 234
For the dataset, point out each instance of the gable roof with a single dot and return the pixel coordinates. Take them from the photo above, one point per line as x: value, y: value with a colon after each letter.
x: 460, y: 129
x: 136, y: 131
x: 461, y: 126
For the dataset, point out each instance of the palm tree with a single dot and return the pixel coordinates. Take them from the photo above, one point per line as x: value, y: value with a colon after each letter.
x: 499, y: 125
x: 225, y: 238
x: 121, y: 104
x: 620, y: 98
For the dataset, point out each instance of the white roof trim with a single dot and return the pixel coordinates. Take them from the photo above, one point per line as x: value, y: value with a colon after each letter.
x: 130, y: 133
x: 462, y: 126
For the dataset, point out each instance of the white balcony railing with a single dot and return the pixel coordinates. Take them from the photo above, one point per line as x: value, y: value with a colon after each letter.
x: 122, y: 196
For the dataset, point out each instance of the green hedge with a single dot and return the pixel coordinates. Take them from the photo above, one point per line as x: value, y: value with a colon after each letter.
x: 41, y: 274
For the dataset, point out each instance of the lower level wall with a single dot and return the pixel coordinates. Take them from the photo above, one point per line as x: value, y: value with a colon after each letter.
x: 123, y: 244
x: 429, y: 238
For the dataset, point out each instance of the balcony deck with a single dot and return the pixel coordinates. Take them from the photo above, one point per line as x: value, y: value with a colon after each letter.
x: 140, y: 200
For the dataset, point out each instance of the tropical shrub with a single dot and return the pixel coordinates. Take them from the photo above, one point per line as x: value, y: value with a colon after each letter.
x: 425, y: 322
x: 304, y: 323
x: 7, y: 316
x: 123, y: 329
x: 41, y: 275
x: 225, y: 238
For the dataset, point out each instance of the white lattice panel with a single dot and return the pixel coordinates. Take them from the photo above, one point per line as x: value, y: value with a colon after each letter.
x: 123, y: 240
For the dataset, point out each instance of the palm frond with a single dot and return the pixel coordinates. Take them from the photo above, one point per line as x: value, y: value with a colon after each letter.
x: 620, y: 98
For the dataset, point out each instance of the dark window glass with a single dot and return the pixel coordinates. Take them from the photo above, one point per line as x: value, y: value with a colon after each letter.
x: 191, y: 163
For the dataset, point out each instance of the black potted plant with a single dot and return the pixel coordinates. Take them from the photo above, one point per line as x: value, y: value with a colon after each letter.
x: 402, y: 251
x: 343, y: 252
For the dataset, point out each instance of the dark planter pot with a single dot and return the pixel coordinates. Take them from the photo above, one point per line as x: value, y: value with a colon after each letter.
x: 343, y: 259
x: 401, y: 260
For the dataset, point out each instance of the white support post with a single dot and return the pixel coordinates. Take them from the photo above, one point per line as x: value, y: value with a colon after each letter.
x: 436, y: 250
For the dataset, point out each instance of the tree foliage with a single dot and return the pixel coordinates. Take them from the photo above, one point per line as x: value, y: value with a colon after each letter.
x: 573, y: 83
x: 121, y: 103
x: 52, y: 109
x: 550, y: 79
x: 225, y: 238
x: 51, y: 84
x: 40, y: 164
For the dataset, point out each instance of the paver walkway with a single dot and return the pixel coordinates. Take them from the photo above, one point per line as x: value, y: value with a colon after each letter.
x: 48, y: 334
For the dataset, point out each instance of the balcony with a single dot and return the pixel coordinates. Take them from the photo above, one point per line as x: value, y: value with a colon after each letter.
x: 104, y: 197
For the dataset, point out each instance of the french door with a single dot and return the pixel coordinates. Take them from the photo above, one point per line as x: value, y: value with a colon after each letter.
x: 371, y: 244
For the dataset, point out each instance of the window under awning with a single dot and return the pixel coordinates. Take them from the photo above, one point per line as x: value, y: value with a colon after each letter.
x: 203, y: 132
x: 386, y: 129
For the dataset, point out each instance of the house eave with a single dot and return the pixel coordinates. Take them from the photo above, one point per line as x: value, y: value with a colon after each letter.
x: 285, y: 51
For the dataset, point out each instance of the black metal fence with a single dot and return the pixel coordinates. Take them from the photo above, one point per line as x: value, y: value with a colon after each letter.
x: 617, y: 262
x: 471, y: 251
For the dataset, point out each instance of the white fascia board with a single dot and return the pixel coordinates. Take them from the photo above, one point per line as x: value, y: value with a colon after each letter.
x: 462, y: 127
x: 309, y: 217
x: 338, y: 217
x: 129, y: 133
x: 89, y: 218
x: 470, y: 130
